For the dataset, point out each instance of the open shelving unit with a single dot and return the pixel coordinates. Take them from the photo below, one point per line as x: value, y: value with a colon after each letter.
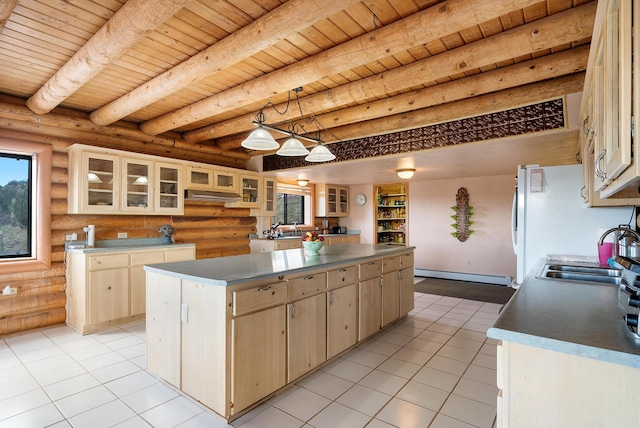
x: 391, y: 214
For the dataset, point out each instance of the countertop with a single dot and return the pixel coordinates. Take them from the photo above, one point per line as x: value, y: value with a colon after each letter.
x: 262, y: 238
x: 225, y: 271
x: 128, y: 247
x: 568, y: 316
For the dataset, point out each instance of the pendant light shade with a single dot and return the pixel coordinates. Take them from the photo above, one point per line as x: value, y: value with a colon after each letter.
x: 260, y: 139
x: 320, y: 153
x: 293, y: 147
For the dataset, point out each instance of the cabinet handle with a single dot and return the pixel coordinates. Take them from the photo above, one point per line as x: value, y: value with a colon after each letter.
x: 343, y: 270
x: 584, y: 125
x: 293, y: 311
x: 331, y: 297
x: 109, y: 288
x: 381, y: 281
x: 599, y: 172
x: 582, y: 194
x: 260, y: 290
x: 306, y: 278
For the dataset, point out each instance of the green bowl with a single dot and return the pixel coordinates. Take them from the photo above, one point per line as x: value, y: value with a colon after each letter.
x: 312, y: 247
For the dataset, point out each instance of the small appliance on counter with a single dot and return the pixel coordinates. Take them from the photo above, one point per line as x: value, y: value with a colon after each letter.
x: 339, y: 229
x: 629, y: 291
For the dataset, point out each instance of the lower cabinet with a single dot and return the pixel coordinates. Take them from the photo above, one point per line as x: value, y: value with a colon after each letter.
x: 306, y: 335
x: 231, y: 347
x: 107, y: 289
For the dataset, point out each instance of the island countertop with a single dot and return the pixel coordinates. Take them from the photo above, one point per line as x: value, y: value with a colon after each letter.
x: 577, y: 318
x: 225, y: 271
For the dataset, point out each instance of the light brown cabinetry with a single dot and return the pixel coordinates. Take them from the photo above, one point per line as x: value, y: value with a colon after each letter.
x: 105, y: 181
x: 406, y: 285
x: 230, y: 347
x: 390, y: 289
x: 108, y: 289
x: 609, y: 152
x: 331, y: 200
x: 573, y: 390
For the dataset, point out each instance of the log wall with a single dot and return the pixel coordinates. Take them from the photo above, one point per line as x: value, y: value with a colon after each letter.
x: 40, y: 301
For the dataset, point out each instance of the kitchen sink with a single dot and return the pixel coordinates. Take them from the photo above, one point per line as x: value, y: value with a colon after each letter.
x: 582, y: 273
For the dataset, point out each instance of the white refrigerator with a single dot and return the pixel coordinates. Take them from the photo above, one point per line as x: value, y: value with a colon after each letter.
x: 550, y: 217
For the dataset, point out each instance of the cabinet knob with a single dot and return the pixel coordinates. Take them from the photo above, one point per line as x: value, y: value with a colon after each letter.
x: 109, y: 288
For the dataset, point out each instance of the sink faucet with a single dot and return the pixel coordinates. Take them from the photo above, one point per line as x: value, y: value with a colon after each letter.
x: 295, y: 223
x: 625, y: 230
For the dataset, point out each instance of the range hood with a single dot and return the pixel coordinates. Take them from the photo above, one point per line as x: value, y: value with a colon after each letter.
x: 209, y: 195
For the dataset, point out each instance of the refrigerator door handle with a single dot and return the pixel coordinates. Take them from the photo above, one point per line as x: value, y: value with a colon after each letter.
x: 514, y: 221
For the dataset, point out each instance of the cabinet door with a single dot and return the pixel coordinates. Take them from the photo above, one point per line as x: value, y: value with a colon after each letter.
x: 406, y: 290
x: 199, y: 178
x: 343, y: 201
x: 109, y: 294
x: 138, y: 277
x: 306, y: 335
x: 169, y: 194
x: 102, y: 175
x: 258, y: 359
x: 342, y: 319
x: 137, y: 180
x: 390, y: 297
x: 225, y: 181
x: 332, y: 201
x: 370, y: 307
x: 251, y: 194
x: 269, y: 198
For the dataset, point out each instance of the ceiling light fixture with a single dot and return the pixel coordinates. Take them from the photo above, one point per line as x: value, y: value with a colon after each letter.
x: 405, y: 173
x: 302, y: 182
x: 261, y: 139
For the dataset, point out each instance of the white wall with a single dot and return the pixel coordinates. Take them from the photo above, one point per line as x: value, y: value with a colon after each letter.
x: 488, y: 249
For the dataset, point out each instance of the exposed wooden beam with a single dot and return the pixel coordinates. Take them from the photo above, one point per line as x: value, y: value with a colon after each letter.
x: 130, y: 24
x: 275, y: 26
x: 433, y: 23
x: 556, y: 30
x: 539, y: 69
x: 6, y: 9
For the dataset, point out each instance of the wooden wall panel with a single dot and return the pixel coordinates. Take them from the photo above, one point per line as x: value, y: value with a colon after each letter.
x: 217, y: 232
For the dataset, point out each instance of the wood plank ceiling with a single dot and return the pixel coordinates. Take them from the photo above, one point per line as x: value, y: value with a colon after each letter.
x: 197, y: 72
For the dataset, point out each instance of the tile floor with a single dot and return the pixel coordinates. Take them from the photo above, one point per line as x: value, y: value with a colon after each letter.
x: 435, y: 368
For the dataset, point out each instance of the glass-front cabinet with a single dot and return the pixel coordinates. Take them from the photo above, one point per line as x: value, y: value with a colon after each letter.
x: 138, y: 182
x: 105, y: 181
x: 391, y: 214
x: 199, y: 178
x: 225, y: 181
x: 250, y: 190
x: 331, y: 200
x: 269, y: 185
x: 169, y: 194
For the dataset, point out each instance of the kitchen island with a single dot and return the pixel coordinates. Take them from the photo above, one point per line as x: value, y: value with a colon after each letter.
x: 232, y: 331
x: 566, y: 357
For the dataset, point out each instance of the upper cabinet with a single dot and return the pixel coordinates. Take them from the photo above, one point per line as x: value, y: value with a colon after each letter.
x: 250, y: 190
x: 332, y: 200
x: 609, y: 153
x: 202, y: 177
x: 104, y: 181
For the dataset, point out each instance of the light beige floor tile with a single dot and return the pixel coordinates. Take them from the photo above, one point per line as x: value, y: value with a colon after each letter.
x: 403, y: 414
x: 463, y: 311
x: 328, y: 386
x: 448, y: 365
x: 481, y: 374
x: 302, y: 404
x: 413, y: 356
x: 172, y: 413
x: 149, y: 397
x: 84, y: 400
x: 368, y: 358
x: 469, y: 411
x: 364, y: 400
x: 201, y: 420
x: 423, y: 395
x: 489, y: 349
x: 456, y: 353
x: 395, y: 338
x: 471, y: 335
x: 42, y: 416
x: 443, y: 421
x: 484, y: 360
x: 131, y: 383
x: 107, y: 415
x: 71, y: 386
x: 383, y: 348
x: 377, y: 423
x: 441, y: 328
x: 338, y: 416
x: 13, y: 387
x: 434, y: 336
x: 470, y: 304
x: 468, y: 344
x: 349, y: 370
x: 406, y: 330
x: 138, y: 422
x: 399, y: 367
x: 477, y: 391
x: 115, y: 371
x: 480, y: 328
x: 416, y: 323
x: 450, y: 322
x: 436, y: 378
x: 59, y: 374
x: 383, y: 382
x: 424, y: 345
x: 85, y: 353
x: 23, y: 403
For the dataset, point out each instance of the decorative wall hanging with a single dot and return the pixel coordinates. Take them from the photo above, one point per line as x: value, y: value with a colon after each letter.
x: 462, y: 216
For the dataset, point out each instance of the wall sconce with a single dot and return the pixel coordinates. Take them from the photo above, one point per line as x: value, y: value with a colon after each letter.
x: 302, y: 182
x: 405, y: 173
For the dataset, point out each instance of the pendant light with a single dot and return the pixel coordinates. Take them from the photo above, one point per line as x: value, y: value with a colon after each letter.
x: 260, y: 139
x: 293, y: 147
x: 320, y: 153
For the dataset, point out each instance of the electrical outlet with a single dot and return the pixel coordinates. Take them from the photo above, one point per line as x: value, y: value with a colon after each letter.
x: 9, y: 290
x: 467, y: 262
x: 122, y: 235
x: 72, y: 237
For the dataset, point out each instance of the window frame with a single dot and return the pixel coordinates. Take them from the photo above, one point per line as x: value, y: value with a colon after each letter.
x: 303, y: 210
x: 40, y: 206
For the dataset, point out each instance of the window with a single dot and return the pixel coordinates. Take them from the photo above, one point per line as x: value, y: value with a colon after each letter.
x: 290, y: 209
x: 25, y: 206
x: 15, y: 206
x: 293, y: 204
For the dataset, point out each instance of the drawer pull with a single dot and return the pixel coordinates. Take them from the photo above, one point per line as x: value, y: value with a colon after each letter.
x: 109, y: 288
x: 331, y: 297
x: 343, y: 270
x: 260, y: 290
x: 306, y: 278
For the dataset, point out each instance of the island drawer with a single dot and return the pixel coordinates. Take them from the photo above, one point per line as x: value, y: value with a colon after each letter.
x: 261, y: 297
x: 370, y: 269
x: 307, y: 285
x: 390, y: 264
x: 108, y: 261
x: 343, y: 276
x: 406, y: 259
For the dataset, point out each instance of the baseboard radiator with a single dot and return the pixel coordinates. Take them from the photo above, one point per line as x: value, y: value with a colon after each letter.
x: 460, y: 276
